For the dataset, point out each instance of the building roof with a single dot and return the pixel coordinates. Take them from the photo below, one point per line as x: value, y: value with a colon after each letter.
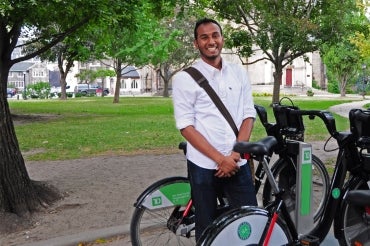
x: 130, y: 72
x: 21, y: 66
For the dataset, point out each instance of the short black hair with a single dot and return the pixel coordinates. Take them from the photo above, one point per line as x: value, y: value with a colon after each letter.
x: 205, y: 21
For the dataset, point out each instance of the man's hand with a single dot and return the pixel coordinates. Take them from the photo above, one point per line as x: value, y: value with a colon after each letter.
x: 228, y: 166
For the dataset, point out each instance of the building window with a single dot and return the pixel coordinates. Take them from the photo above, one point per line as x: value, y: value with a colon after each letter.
x: 123, y: 84
x: 134, y: 84
x: 38, y: 73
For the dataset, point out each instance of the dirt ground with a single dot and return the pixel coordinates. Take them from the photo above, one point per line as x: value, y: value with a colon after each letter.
x: 98, y: 192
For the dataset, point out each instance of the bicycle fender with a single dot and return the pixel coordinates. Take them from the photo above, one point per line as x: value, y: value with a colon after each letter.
x: 166, y: 192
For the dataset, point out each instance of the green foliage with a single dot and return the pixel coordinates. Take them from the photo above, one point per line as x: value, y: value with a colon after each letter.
x: 343, y: 62
x: 333, y: 87
x: 315, y: 84
x: 38, y: 90
x: 69, y: 95
x: 283, y: 30
x: 310, y: 93
x: 89, y: 76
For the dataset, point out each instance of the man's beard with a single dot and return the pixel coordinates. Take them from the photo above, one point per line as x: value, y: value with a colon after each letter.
x: 210, y: 57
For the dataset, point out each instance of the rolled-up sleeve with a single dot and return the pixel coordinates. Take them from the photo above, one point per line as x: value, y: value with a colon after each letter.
x: 184, y: 97
x: 248, y: 105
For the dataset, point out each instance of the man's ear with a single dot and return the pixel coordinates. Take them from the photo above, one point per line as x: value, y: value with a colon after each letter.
x: 195, y: 43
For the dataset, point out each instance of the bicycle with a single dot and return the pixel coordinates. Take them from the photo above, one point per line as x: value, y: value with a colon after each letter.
x: 173, y: 218
x: 347, y: 208
x: 289, y: 127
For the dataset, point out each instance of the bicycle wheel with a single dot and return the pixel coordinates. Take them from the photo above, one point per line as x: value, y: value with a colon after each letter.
x: 244, y: 226
x: 285, y: 173
x: 156, y: 219
x: 355, y: 222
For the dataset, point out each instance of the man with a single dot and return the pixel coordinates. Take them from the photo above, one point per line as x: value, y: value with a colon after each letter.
x: 212, y: 165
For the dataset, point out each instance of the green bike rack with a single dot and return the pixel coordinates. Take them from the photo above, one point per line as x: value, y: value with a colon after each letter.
x: 303, y: 213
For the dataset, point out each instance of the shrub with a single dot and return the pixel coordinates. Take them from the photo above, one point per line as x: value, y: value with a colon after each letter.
x: 310, y: 93
x: 38, y: 90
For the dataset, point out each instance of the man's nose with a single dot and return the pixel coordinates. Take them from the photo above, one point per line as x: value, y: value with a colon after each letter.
x: 212, y: 40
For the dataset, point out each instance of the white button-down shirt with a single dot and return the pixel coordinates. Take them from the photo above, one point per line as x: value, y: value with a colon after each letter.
x: 193, y: 106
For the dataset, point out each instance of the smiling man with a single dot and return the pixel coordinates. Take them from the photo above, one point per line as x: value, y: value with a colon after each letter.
x: 213, y: 167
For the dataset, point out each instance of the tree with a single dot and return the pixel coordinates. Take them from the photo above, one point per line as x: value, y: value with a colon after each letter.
x: 139, y: 45
x: 65, y: 53
x: 362, y: 43
x: 345, y: 58
x: 182, y: 53
x: 18, y: 193
x: 88, y: 76
x: 283, y: 30
x: 361, y: 39
x: 343, y: 62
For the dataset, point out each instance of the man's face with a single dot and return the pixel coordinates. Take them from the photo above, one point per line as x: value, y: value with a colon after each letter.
x: 209, y: 41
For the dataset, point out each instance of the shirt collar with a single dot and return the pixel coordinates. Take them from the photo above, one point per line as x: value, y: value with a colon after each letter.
x: 210, y: 70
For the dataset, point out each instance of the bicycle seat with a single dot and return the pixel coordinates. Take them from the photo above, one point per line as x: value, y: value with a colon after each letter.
x: 258, y: 148
x: 182, y: 146
x: 358, y: 197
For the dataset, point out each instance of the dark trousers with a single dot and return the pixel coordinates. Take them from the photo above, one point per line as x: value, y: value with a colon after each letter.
x: 238, y: 189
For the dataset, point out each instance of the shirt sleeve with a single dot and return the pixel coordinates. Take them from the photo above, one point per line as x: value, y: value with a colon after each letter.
x: 248, y: 104
x: 184, y: 91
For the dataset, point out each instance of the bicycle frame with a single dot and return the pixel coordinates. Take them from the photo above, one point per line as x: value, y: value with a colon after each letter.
x: 347, y: 161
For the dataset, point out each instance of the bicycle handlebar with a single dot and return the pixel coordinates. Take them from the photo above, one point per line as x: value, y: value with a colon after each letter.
x: 325, y: 116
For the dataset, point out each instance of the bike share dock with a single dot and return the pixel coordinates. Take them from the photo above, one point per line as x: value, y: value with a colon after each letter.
x: 303, y: 216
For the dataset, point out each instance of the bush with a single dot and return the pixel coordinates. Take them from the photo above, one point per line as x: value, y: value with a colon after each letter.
x: 310, y: 93
x: 38, y: 90
x: 315, y: 85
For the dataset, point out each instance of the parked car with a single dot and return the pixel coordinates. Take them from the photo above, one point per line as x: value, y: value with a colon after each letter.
x: 85, y: 89
x: 99, y: 91
x: 11, y: 92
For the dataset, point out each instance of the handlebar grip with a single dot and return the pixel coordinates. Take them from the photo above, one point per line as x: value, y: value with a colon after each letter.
x: 325, y: 116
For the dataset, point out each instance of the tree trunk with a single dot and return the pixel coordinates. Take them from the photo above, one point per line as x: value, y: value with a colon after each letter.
x: 18, y: 193
x: 63, y: 75
x: 165, y: 88
x: 278, y: 74
x: 342, y: 87
x: 63, y: 86
x: 118, y: 81
x: 165, y: 75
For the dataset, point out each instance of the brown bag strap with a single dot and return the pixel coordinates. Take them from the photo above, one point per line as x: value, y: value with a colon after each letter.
x: 203, y: 82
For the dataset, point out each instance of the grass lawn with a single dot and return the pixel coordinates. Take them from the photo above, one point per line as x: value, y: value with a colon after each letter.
x: 86, y: 127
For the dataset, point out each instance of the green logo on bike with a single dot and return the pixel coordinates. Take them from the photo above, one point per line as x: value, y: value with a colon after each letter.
x: 307, y: 155
x: 335, y: 193
x: 244, y: 231
x: 156, y: 201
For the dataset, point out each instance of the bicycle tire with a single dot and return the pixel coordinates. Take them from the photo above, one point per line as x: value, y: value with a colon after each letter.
x: 150, y: 226
x: 320, y: 179
x: 244, y: 226
x: 354, y: 228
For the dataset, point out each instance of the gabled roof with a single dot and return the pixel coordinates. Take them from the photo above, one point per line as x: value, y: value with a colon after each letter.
x: 130, y: 72
x: 21, y: 66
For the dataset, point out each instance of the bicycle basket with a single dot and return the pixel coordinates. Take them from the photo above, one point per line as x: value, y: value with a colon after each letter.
x: 359, y: 120
x: 291, y: 125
